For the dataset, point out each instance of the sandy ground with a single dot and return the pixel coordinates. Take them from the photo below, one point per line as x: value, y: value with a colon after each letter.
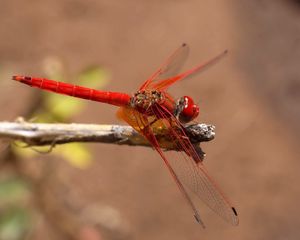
x: 252, y: 97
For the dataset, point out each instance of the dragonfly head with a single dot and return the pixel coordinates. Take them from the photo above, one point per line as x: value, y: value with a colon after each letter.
x: 186, y: 110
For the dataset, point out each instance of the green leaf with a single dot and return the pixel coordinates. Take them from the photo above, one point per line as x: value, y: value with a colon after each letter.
x: 63, y: 107
x: 13, y: 190
x: 94, y: 77
x: 14, y: 222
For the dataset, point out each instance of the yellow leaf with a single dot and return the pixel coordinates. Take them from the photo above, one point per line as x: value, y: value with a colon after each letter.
x: 20, y: 149
x: 76, y: 154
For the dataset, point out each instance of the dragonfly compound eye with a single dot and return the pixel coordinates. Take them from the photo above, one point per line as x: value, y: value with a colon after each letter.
x: 186, y: 109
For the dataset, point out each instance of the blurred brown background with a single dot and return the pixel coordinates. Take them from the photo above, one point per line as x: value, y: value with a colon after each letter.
x: 252, y: 97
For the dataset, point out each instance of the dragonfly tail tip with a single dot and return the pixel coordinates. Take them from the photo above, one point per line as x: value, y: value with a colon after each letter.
x: 17, y: 78
x: 21, y: 78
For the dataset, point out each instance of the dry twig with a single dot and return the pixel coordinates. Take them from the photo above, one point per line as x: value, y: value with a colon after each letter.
x: 39, y: 134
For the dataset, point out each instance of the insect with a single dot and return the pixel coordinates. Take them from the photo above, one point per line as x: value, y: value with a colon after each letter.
x: 153, y: 110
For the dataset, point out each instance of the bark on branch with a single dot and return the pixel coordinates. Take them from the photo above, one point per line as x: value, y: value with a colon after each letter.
x: 39, y: 134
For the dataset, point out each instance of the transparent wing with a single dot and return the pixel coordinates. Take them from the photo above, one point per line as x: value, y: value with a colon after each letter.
x: 165, y: 83
x: 141, y: 124
x: 189, y: 168
x: 184, y: 164
x: 162, y: 81
x: 170, y: 67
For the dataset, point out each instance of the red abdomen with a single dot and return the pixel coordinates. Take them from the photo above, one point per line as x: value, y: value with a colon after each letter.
x: 114, y: 98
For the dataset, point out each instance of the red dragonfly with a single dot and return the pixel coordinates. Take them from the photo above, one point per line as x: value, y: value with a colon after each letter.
x: 153, y: 111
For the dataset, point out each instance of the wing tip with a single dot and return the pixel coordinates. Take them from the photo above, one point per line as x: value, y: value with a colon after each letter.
x: 234, y: 211
x: 198, y: 219
x: 235, y: 219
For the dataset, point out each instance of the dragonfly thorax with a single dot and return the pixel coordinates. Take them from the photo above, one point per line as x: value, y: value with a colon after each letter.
x: 144, y: 99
